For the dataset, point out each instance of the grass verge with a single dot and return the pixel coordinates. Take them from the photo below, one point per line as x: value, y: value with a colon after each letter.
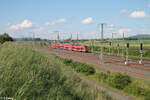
x: 136, y: 88
x: 31, y: 75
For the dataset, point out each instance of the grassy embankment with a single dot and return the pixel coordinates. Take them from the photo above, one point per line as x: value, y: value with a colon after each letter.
x: 120, y: 82
x: 136, y: 88
x: 31, y: 75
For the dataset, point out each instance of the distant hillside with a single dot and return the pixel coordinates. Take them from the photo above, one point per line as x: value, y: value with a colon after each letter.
x: 18, y: 39
x: 141, y: 36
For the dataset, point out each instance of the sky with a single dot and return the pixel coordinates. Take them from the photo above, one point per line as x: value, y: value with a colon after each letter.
x: 45, y: 18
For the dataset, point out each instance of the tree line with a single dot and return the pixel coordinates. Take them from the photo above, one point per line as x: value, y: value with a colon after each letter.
x: 5, y: 37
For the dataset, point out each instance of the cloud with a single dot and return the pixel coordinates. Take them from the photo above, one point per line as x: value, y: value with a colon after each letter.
x: 123, y: 30
x: 39, y: 30
x: 24, y: 24
x: 148, y: 5
x: 110, y: 27
x: 88, y: 20
x: 138, y: 14
x: 59, y: 21
x: 124, y: 11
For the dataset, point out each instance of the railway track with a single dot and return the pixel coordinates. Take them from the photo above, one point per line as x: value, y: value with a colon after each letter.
x: 115, y: 94
x: 112, y: 63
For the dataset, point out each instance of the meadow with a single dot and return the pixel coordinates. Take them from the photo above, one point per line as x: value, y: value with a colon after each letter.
x: 94, y: 46
x: 119, y: 47
x: 137, y: 88
x: 27, y: 74
x: 134, y: 87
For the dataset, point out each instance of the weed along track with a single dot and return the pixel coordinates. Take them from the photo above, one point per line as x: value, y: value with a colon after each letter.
x: 77, y: 57
x: 135, y: 69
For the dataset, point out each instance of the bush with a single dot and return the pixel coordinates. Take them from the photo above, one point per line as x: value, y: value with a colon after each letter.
x: 147, y: 53
x: 5, y: 37
x: 86, y: 69
x: 26, y: 74
x: 103, y: 76
x: 67, y: 61
x: 136, y: 90
x: 116, y: 80
x: 80, y: 67
x: 119, y: 81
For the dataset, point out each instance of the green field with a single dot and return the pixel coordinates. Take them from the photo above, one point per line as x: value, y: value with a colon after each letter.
x: 134, y: 48
x: 136, y: 88
x: 120, y: 82
x: 27, y: 74
x: 30, y: 74
x: 94, y: 46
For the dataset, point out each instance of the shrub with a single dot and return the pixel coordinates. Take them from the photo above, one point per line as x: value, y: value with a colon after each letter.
x: 103, y: 76
x: 67, y: 61
x: 86, y: 69
x: 147, y: 53
x: 80, y: 67
x: 119, y: 81
x: 26, y: 74
x: 136, y: 90
x: 5, y: 37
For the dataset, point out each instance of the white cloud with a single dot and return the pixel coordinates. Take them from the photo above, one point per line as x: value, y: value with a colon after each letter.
x: 124, y: 11
x: 24, y: 24
x: 39, y: 30
x: 148, y: 5
x: 111, y: 27
x: 121, y: 31
x: 138, y: 14
x: 88, y: 20
x: 59, y: 21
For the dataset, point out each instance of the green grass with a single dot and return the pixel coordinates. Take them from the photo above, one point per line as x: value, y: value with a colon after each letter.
x: 133, y: 50
x: 26, y: 74
x: 94, y: 46
x: 120, y: 82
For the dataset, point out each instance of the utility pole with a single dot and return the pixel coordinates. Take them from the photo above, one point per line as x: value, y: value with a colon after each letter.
x: 101, y: 45
x: 127, y: 58
x: 71, y: 41
x: 71, y: 37
x: 92, y: 45
x: 112, y: 43
x: 141, y: 53
x: 123, y: 46
x: 58, y: 38
x: 118, y: 47
x: 77, y: 37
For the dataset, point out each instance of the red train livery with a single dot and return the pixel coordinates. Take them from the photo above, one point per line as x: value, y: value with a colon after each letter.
x: 70, y: 47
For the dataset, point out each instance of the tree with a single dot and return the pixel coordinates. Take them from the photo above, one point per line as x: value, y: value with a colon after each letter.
x: 5, y: 37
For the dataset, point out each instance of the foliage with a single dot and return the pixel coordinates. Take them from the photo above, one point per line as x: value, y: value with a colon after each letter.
x: 5, y: 37
x: 116, y: 80
x: 30, y: 75
x: 138, y: 91
x: 124, y: 83
x: 80, y: 67
x: 119, y: 81
x: 103, y: 76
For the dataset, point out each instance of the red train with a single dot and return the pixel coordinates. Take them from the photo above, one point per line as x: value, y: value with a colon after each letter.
x: 70, y: 47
